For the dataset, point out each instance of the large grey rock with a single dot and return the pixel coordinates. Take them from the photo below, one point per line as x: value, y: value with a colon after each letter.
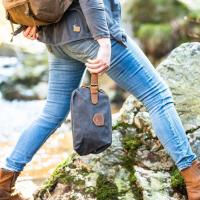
x: 181, y: 71
x: 156, y: 184
x: 118, y: 164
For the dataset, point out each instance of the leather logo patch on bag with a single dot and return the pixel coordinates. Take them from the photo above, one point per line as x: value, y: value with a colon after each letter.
x: 98, y: 119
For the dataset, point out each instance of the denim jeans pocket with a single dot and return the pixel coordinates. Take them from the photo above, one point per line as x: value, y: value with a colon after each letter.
x: 55, y: 50
x: 80, y: 46
x: 82, y: 49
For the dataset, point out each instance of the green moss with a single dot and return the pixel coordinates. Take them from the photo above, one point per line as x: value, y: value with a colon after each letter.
x: 59, y: 174
x: 62, y: 175
x: 65, y: 178
x: 121, y: 125
x: 137, y: 191
x: 132, y: 177
x: 131, y: 144
x: 84, y: 171
x: 177, y: 181
x: 91, y: 191
x: 106, y: 189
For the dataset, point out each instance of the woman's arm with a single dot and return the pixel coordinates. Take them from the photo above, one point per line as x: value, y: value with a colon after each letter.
x: 95, y: 15
x: 102, y: 62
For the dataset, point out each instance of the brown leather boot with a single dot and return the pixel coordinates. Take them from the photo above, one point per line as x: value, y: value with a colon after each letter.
x: 7, y: 185
x: 191, y: 177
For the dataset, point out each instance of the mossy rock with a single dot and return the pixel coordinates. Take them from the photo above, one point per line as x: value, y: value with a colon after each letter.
x: 106, y: 189
x: 177, y: 181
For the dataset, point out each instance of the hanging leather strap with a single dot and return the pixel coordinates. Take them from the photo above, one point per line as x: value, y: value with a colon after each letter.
x: 94, y: 88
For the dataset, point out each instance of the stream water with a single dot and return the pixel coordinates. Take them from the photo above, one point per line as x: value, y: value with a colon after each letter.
x: 17, y: 115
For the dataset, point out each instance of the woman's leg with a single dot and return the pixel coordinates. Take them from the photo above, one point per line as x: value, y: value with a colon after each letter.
x: 64, y: 76
x: 131, y: 70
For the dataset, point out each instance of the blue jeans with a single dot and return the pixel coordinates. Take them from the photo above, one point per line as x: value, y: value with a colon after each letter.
x: 131, y: 70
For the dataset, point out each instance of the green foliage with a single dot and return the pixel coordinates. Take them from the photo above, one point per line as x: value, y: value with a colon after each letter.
x: 158, y: 24
x: 194, y: 15
x: 121, y: 125
x: 131, y: 144
x: 157, y: 38
x: 156, y: 11
x: 106, y: 189
x: 177, y: 181
x: 163, y: 32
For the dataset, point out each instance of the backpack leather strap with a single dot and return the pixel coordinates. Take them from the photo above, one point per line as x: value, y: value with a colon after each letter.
x: 94, y: 88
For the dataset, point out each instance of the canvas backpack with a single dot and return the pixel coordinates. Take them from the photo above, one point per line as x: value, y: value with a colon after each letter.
x: 35, y: 12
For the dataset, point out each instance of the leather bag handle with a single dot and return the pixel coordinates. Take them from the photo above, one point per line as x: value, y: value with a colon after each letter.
x: 94, y: 86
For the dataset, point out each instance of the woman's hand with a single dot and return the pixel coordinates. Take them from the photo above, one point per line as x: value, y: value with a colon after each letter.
x: 31, y: 33
x: 102, y: 62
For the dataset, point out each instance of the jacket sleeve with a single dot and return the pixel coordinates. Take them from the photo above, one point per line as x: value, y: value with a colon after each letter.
x: 95, y: 15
